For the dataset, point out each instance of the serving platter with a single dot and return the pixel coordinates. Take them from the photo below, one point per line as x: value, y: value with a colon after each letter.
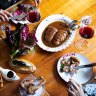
x: 83, y: 75
x: 48, y: 20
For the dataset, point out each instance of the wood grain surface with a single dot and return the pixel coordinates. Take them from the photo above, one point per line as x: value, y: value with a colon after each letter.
x: 46, y: 61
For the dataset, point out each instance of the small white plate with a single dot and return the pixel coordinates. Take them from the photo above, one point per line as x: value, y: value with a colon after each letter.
x: 83, y: 75
x: 50, y: 19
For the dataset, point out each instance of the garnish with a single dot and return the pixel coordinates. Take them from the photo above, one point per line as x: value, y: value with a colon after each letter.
x: 61, y: 67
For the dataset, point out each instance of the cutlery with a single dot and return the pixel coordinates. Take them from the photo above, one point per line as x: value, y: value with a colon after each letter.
x: 85, y: 20
x: 17, y: 17
x: 86, y: 66
x: 83, y: 66
x: 73, y: 25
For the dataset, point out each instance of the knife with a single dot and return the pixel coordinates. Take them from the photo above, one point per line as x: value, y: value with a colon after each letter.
x: 86, y: 66
x: 17, y: 17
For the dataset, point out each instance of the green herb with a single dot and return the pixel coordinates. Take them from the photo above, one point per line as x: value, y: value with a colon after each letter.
x: 61, y: 67
x: 14, y: 53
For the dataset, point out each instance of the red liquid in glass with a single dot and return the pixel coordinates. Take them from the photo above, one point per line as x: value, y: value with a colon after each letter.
x: 33, y: 16
x: 86, y: 32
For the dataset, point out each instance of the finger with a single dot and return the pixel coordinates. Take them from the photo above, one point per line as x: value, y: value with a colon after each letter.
x: 7, y: 13
x: 71, y: 92
x: 73, y: 89
x: 5, y: 16
x: 36, y: 2
x: 75, y: 84
x: 2, y: 18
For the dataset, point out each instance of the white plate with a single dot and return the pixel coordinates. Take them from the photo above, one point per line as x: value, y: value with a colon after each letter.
x: 21, y: 21
x: 45, y: 23
x: 83, y: 75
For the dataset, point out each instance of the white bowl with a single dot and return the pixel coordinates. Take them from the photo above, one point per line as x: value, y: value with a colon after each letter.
x: 45, y: 23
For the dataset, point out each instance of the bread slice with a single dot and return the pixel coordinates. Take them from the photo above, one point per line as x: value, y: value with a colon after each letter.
x: 26, y: 67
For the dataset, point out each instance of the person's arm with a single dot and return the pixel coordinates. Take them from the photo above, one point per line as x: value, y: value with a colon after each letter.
x: 75, y: 89
x: 4, y: 15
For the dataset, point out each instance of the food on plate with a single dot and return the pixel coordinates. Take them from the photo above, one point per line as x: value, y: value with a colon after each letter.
x: 30, y: 13
x: 50, y: 32
x: 69, y: 65
x: 20, y: 41
x: 55, y: 34
x: 1, y: 81
x: 30, y: 85
x: 60, y: 36
x: 22, y: 66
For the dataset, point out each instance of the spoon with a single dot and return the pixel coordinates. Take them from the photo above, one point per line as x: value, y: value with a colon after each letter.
x: 9, y: 75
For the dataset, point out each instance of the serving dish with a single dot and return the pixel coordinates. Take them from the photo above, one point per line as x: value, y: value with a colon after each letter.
x: 82, y: 76
x: 50, y: 19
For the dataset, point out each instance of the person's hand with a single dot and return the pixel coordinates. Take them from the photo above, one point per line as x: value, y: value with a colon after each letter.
x: 37, y: 2
x: 75, y: 89
x: 4, y: 15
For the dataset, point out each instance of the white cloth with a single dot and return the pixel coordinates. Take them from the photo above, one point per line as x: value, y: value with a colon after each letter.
x: 90, y: 89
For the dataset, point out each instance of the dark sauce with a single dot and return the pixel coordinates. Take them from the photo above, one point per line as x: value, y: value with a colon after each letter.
x: 10, y: 74
x: 60, y: 26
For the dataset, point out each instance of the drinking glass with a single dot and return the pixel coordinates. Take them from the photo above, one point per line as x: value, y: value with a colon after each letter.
x: 33, y: 16
x: 86, y: 32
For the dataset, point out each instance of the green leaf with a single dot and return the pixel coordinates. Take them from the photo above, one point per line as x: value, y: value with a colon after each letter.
x: 14, y: 53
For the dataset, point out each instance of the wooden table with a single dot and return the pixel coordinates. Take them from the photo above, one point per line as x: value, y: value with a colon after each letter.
x: 46, y: 61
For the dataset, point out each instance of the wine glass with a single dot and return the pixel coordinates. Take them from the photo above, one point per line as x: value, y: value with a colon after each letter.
x: 86, y: 32
x: 33, y: 16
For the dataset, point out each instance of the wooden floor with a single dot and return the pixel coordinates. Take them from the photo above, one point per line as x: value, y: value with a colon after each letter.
x: 46, y: 61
